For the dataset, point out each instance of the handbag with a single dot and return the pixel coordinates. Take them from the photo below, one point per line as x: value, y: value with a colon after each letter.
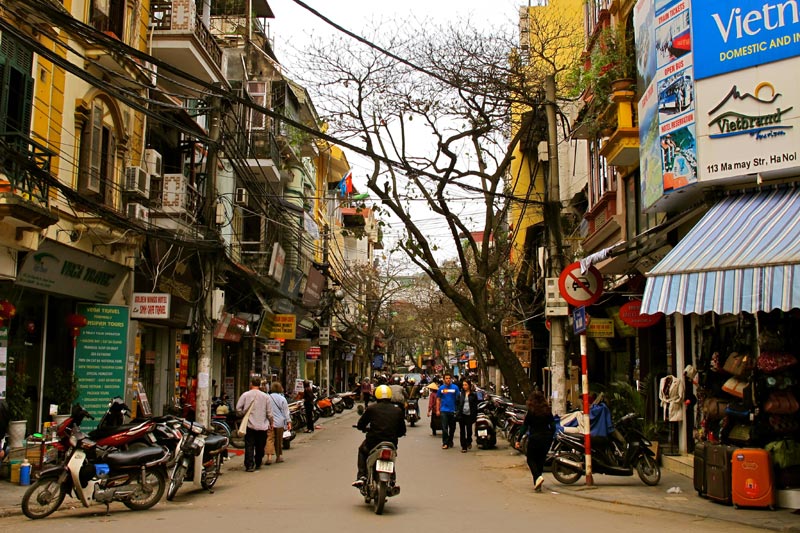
x: 735, y: 387
x: 741, y: 434
x: 739, y: 365
x: 771, y: 362
x: 714, y: 407
x: 243, y: 424
x: 783, y: 423
x: 781, y: 403
x: 785, y: 452
x: 287, y: 434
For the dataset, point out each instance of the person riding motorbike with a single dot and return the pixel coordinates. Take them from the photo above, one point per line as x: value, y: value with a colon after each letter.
x: 398, y: 393
x: 382, y: 421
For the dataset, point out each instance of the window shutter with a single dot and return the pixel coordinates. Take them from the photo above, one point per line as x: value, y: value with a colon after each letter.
x: 111, y: 183
x: 4, y: 90
x: 258, y: 92
x: 91, y: 151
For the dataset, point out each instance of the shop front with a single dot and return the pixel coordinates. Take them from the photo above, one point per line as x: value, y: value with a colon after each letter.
x: 732, y: 289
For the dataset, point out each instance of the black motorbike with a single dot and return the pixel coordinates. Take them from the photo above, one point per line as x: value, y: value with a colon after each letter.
x: 412, y: 411
x: 619, y: 454
x: 485, y: 432
x: 197, y: 441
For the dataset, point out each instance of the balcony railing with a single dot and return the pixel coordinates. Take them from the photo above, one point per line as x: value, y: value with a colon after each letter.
x: 22, y: 181
x: 165, y: 18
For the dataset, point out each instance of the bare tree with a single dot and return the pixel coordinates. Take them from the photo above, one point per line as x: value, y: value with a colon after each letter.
x: 433, y: 108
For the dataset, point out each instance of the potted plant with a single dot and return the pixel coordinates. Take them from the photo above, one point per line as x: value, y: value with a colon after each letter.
x: 62, y: 389
x: 20, y: 408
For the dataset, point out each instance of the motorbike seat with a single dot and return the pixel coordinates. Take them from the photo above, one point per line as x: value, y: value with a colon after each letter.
x: 133, y: 458
x: 107, y: 431
x: 215, y: 442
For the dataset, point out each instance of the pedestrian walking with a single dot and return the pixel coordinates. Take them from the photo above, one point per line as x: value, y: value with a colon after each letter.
x: 540, y: 427
x: 282, y: 421
x: 466, y: 414
x: 366, y: 392
x: 259, y: 422
x: 433, y: 408
x: 308, y: 405
x: 448, y: 395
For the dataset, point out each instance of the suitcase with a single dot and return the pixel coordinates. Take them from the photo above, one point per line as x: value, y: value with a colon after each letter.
x: 718, y: 472
x: 699, y: 475
x: 752, y: 484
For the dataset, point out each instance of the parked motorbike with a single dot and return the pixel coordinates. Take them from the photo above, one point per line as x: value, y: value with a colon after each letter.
x: 197, y: 441
x: 381, y: 476
x: 349, y: 399
x: 619, y: 453
x: 412, y: 411
x: 485, y: 433
x: 112, y: 430
x: 325, y: 406
x: 136, y: 478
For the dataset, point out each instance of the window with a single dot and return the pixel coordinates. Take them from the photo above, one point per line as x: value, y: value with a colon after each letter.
x: 600, y: 176
x: 16, y: 86
x: 97, y: 165
x: 108, y: 16
x: 258, y: 92
x: 636, y: 221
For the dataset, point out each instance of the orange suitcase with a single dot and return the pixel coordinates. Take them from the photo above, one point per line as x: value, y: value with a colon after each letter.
x: 752, y: 484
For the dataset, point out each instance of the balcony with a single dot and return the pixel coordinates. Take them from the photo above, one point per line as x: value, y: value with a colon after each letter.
x: 24, y: 191
x: 181, y: 38
x: 621, y: 149
x: 264, y: 156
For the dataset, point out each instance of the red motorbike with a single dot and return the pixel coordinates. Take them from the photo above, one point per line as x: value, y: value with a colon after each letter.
x: 111, y: 431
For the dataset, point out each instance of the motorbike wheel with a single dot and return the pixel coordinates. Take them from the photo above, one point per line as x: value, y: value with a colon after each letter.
x: 648, y: 470
x: 565, y: 475
x: 349, y: 403
x: 316, y: 414
x: 413, y: 421
x: 338, y: 407
x: 43, y: 497
x: 176, y: 480
x: 380, y: 499
x: 212, y: 474
x: 146, y: 497
x: 327, y: 412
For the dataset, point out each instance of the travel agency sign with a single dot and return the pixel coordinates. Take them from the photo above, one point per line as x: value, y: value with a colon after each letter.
x: 746, y: 73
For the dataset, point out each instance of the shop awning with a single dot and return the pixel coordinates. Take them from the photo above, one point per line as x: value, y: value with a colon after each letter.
x: 743, y: 256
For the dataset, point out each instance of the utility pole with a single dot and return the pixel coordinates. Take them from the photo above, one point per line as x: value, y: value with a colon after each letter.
x: 206, y: 333
x: 553, y: 224
x: 327, y: 302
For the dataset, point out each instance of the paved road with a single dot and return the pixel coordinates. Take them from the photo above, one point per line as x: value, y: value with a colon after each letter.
x: 479, y: 490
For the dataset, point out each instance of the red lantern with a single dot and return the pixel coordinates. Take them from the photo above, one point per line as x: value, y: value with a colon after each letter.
x: 75, y: 323
x: 7, y: 311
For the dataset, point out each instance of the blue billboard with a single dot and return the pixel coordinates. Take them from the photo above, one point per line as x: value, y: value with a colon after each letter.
x: 731, y: 35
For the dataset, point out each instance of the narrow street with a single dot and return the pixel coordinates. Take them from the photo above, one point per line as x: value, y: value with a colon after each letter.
x: 479, y: 490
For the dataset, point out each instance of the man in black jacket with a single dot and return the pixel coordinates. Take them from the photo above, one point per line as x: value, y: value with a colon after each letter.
x: 383, y: 421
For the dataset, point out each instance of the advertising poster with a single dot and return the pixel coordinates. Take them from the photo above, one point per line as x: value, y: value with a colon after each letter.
x: 100, y: 357
x: 667, y: 136
x: 749, y: 123
x: 739, y: 34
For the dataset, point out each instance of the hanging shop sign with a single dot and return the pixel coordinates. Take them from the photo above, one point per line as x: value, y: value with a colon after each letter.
x: 630, y: 313
x: 276, y: 263
x: 230, y: 328
x: 59, y: 269
x: 151, y: 305
x: 273, y: 345
x: 100, y: 357
x: 600, y: 328
x: 313, y: 290
x: 284, y: 327
x: 324, y: 335
x: 314, y: 352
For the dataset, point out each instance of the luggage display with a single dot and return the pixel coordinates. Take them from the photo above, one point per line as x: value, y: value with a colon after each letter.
x: 752, y: 483
x: 699, y: 474
x: 718, y: 472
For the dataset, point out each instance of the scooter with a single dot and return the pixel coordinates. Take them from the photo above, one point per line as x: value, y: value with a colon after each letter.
x: 619, y: 453
x: 412, y: 411
x: 485, y: 433
x: 136, y: 478
x: 196, y: 442
x: 381, y: 476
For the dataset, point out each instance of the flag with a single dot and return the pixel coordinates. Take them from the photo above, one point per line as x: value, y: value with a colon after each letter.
x: 346, y: 183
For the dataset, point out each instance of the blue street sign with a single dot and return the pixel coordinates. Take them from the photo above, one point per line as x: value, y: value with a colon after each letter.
x: 579, y: 320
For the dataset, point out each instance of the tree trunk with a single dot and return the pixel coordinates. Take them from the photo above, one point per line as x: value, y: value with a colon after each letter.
x: 519, y: 385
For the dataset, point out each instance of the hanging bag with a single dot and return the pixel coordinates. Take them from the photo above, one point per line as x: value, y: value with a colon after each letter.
x: 739, y: 365
x: 243, y: 424
x: 781, y: 403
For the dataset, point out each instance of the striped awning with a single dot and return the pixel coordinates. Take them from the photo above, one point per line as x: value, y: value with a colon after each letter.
x: 743, y: 256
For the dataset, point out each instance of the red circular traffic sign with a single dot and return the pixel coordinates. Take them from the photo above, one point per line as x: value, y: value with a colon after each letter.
x: 580, y: 289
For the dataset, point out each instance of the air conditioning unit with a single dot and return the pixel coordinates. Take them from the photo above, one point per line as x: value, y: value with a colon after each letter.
x: 138, y: 212
x: 137, y: 181
x: 241, y: 196
x: 152, y: 162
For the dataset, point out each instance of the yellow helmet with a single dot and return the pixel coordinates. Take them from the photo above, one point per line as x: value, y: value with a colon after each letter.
x: 383, y: 392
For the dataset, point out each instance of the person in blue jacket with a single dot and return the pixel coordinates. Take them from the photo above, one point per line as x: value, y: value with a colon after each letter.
x: 448, y: 403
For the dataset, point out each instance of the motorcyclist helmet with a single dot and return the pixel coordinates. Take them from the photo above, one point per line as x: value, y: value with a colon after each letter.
x: 383, y: 392
x: 411, y: 381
